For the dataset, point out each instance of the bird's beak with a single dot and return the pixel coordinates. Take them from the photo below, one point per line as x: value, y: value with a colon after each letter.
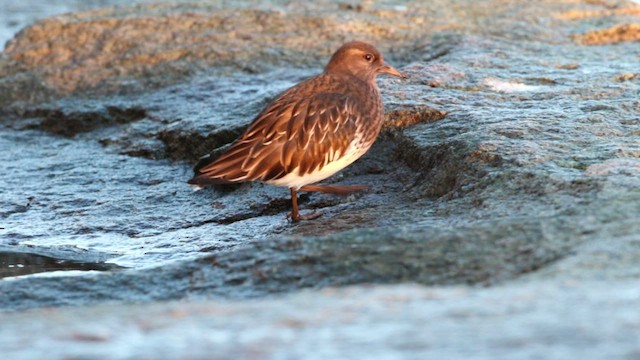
x: 386, y: 69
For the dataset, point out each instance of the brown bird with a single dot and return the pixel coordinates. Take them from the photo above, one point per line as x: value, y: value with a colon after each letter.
x: 312, y: 130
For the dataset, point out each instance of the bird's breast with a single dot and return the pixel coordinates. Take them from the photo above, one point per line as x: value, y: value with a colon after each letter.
x: 370, y: 122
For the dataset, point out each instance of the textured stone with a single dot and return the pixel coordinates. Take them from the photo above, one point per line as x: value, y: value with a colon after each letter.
x: 524, y: 321
x: 524, y: 197
x: 612, y: 35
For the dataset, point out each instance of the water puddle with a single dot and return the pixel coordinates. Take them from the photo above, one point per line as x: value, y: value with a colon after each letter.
x: 19, y: 264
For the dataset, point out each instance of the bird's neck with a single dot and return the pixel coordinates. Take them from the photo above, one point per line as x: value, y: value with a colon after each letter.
x: 347, y: 75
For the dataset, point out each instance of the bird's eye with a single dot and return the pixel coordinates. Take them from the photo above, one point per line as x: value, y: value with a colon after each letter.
x: 368, y: 57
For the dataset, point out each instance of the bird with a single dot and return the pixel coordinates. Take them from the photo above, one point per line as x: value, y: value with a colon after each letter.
x: 310, y: 131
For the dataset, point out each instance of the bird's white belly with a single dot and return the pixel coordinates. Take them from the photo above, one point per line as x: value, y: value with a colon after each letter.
x: 295, y: 180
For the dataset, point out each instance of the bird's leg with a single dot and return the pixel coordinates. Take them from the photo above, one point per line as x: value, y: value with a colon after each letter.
x: 334, y: 189
x: 295, y: 214
x: 329, y: 189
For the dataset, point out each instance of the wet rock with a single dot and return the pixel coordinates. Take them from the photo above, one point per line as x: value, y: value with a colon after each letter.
x: 70, y: 124
x: 187, y: 146
x: 431, y: 256
x: 602, y: 10
x: 508, y: 161
x: 534, y: 320
x: 130, y: 49
x: 405, y: 117
x: 120, y: 50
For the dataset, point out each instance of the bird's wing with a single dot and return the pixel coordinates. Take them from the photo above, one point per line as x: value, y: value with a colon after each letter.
x: 300, y: 135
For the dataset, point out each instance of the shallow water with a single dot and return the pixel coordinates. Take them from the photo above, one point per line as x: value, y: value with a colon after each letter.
x: 14, y: 264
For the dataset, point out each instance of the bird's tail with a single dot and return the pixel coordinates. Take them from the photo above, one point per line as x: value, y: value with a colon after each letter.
x: 207, y: 180
x: 226, y: 169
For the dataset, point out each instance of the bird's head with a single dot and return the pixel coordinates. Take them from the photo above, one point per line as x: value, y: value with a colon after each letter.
x: 362, y: 60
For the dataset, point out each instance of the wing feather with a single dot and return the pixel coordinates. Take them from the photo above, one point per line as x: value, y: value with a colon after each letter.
x: 292, y: 134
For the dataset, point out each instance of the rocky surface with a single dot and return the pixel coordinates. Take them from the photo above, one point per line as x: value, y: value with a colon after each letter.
x: 508, y: 170
x: 536, y: 320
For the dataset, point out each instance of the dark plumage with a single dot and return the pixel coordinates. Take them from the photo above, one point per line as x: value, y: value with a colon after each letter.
x: 312, y: 130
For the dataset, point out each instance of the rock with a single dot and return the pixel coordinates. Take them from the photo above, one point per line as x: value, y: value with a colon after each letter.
x: 499, y: 251
x: 507, y: 171
x: 612, y: 35
x: 533, y: 320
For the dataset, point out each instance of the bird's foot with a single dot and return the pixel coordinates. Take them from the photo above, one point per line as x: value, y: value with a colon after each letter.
x: 310, y: 216
x: 334, y: 189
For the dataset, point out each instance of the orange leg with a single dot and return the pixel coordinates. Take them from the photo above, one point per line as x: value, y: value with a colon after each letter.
x: 295, y: 214
x: 334, y: 189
